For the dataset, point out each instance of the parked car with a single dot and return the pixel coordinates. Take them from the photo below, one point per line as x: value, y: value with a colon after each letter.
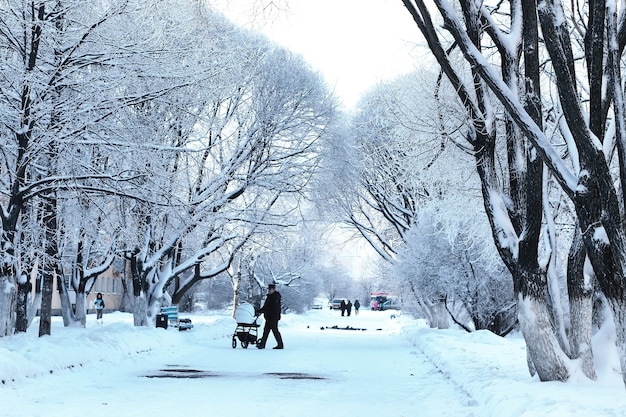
x: 199, y: 302
x: 389, y: 305
x: 336, y: 303
x: 318, y: 303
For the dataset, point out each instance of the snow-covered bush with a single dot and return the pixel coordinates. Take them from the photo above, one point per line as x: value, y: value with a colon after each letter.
x: 456, y: 266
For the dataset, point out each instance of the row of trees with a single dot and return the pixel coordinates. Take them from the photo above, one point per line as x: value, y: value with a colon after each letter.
x: 155, y: 132
x: 428, y: 226
x: 537, y: 101
x: 516, y: 70
x: 533, y: 92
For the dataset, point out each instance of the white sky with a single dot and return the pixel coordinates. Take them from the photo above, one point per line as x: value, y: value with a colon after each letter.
x: 353, y: 43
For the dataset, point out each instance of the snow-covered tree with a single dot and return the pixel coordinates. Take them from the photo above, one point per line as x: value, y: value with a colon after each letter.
x: 238, y: 164
x: 456, y: 264
x: 128, y: 135
x: 579, y: 138
x: 56, y: 90
x: 402, y: 155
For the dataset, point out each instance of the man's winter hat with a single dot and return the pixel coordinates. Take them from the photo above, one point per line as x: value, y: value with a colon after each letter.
x: 271, y: 287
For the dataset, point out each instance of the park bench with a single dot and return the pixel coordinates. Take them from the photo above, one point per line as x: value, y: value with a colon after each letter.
x: 173, y: 320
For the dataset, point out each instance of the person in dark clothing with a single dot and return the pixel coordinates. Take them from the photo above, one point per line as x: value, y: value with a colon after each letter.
x: 99, y: 303
x: 342, y: 307
x: 349, y: 308
x: 271, y: 312
x: 357, y: 305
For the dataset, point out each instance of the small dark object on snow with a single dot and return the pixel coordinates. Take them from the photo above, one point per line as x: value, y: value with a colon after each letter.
x: 342, y: 328
x: 161, y: 321
x: 294, y: 375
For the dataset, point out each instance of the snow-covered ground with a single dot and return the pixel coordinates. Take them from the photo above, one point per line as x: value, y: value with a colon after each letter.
x: 393, y: 367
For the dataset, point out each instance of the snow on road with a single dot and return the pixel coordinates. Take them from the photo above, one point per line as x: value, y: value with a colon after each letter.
x: 397, y: 367
x: 321, y: 372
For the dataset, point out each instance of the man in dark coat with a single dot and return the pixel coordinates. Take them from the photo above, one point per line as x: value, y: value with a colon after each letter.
x: 271, y: 312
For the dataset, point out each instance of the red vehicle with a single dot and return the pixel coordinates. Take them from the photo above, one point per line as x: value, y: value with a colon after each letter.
x: 381, y: 300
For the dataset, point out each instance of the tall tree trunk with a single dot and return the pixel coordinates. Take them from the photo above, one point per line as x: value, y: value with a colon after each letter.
x: 45, y: 311
x: 66, y: 305
x: 126, y: 304
x: 236, y: 280
x: 24, y: 287
x: 80, y: 315
x: 140, y: 311
x: 35, y: 303
x: 8, y: 297
x: 440, y: 313
x: 140, y: 302
x: 426, y: 311
x: 618, y: 306
x: 580, y: 289
x: 545, y: 356
x: 49, y: 263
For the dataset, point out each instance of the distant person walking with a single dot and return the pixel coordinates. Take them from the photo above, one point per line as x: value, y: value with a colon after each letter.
x: 349, y: 308
x: 343, y: 306
x: 99, y: 304
x: 271, y: 312
x: 357, y: 305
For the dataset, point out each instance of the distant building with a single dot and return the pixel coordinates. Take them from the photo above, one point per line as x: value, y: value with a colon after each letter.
x: 109, y: 284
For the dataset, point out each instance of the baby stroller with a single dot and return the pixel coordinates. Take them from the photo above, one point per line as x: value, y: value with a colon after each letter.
x: 247, y: 327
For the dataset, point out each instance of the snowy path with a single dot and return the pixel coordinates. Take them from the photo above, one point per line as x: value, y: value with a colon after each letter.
x: 320, y: 373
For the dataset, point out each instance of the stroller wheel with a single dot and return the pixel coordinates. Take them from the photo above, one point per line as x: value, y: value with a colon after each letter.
x: 244, y: 344
x: 234, y: 342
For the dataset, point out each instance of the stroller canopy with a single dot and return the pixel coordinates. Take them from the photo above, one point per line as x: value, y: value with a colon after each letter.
x: 245, y: 313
